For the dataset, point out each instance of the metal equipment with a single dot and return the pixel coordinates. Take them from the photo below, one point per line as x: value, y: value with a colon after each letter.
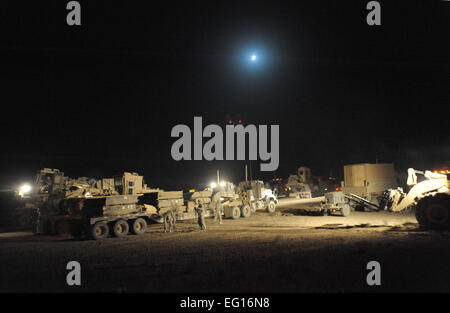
x: 335, y: 202
x: 369, y: 181
x: 430, y: 198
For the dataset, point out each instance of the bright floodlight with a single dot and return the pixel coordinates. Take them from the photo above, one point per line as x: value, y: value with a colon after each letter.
x: 24, y: 189
x: 213, y: 185
x: 222, y: 184
x: 253, y: 58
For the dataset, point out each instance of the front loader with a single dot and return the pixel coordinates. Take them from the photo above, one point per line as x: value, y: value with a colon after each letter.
x: 430, y: 198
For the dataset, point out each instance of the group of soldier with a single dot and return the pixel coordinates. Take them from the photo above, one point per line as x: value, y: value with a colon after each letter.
x: 170, y: 218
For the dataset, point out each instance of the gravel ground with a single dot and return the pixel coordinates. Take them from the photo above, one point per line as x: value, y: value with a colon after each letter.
x: 286, y: 251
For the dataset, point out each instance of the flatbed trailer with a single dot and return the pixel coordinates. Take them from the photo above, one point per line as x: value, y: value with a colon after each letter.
x: 120, y: 225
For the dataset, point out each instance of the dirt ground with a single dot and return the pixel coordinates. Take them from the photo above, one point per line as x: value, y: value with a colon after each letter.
x: 286, y: 251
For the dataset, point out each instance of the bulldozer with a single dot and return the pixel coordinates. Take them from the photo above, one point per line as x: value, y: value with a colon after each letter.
x: 430, y: 198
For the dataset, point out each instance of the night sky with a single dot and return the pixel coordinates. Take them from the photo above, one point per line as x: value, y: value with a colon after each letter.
x: 102, y: 98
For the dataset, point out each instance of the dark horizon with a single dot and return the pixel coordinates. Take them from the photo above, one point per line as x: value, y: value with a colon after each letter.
x: 102, y: 98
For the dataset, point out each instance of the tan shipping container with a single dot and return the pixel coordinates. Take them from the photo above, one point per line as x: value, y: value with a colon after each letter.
x: 369, y: 180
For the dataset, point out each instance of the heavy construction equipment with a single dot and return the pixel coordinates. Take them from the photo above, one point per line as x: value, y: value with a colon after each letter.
x: 429, y: 197
x: 52, y: 193
x: 94, y: 208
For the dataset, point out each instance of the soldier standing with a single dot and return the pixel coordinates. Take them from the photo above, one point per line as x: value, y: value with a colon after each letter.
x: 218, y: 211
x: 174, y: 220
x: 201, y: 217
x: 218, y: 208
x: 169, y: 221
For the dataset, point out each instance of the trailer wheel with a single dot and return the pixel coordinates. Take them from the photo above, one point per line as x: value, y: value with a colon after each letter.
x: 235, y: 213
x: 433, y: 212
x: 121, y: 228
x: 139, y: 226
x: 246, y: 211
x: 99, y: 230
x: 271, y: 207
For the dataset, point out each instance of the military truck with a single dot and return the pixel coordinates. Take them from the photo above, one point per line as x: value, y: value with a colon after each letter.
x: 304, y: 185
x: 93, y: 208
x: 298, y: 185
x: 237, y: 202
x: 247, y: 198
x: 257, y: 196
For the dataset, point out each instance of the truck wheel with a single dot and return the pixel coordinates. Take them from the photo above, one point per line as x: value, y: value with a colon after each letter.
x: 433, y: 212
x: 139, y: 226
x: 235, y: 213
x: 99, y: 230
x: 246, y: 211
x: 121, y: 228
x: 271, y: 207
x: 345, y: 210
